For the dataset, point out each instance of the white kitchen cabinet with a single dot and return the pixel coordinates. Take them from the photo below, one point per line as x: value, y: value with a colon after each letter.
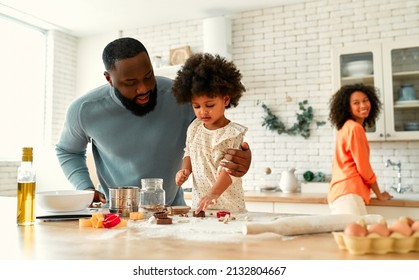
x: 401, y: 116
x: 395, y: 64
x: 287, y: 208
x: 392, y: 212
x: 301, y: 208
x: 266, y: 207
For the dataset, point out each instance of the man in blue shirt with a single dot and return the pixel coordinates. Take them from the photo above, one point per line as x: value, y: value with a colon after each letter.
x: 135, y: 127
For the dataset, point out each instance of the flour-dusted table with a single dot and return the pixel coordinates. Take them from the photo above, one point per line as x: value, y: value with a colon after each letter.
x: 65, y: 240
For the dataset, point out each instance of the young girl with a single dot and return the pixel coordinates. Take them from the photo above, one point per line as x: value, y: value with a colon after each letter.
x: 352, y: 108
x: 210, y: 84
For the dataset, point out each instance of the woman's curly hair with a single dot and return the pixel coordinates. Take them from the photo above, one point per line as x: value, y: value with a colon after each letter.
x: 340, y: 105
x: 209, y: 75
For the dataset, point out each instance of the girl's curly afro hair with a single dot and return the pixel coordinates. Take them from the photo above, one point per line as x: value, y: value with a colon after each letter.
x: 210, y: 75
x: 340, y: 105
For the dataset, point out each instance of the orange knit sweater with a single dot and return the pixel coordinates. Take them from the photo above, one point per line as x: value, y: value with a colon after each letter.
x: 351, y: 170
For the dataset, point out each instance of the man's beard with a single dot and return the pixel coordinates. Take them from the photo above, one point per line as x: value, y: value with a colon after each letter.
x: 136, y: 109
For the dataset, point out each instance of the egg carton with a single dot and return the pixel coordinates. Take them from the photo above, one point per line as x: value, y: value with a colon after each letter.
x: 376, y: 244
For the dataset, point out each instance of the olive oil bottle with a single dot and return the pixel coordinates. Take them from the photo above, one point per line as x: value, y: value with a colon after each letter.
x: 26, y: 181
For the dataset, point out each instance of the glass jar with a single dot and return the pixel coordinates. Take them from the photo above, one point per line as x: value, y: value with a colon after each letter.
x: 152, y: 196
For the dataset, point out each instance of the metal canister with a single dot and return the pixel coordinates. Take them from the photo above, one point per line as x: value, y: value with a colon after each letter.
x: 123, y: 200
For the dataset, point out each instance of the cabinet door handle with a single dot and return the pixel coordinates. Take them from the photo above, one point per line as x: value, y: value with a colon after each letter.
x: 388, y: 135
x: 381, y: 135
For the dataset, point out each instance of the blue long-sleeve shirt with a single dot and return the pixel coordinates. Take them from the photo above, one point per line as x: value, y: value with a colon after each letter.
x: 125, y: 147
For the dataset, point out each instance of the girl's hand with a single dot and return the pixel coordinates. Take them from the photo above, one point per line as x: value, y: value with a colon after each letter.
x: 181, y: 176
x: 205, y: 201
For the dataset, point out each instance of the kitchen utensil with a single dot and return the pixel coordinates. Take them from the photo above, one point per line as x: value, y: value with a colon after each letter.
x: 267, y: 182
x: 288, y: 182
x: 64, y: 200
x: 308, y: 224
x: 123, y: 200
x: 411, y: 126
x: 406, y: 102
x: 407, y: 92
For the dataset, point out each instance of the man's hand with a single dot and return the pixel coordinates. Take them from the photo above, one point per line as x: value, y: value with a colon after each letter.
x: 238, y: 161
x: 98, y: 197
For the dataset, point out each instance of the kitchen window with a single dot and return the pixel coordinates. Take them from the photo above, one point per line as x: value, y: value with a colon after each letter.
x: 22, y: 72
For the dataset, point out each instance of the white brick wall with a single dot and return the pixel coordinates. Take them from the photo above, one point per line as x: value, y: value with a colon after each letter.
x: 300, y: 68
x: 284, y: 54
x: 8, y: 185
x: 61, y: 81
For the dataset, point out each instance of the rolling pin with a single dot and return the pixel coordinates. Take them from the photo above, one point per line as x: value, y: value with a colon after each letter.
x: 308, y: 224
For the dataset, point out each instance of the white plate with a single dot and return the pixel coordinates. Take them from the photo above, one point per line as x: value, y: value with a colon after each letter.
x: 400, y: 102
x: 62, y: 216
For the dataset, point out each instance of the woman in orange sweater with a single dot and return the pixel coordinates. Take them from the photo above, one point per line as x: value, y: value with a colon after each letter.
x: 352, y: 108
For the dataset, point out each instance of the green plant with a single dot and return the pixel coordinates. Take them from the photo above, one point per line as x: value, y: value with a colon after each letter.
x: 314, y: 177
x: 302, y: 125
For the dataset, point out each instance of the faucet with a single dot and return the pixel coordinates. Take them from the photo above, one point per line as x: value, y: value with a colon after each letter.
x: 399, y: 188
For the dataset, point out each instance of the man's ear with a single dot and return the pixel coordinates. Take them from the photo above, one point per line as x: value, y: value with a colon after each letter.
x: 108, y: 77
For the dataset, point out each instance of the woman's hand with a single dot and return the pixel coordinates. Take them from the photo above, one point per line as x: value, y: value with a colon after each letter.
x: 384, y: 196
x: 237, y: 161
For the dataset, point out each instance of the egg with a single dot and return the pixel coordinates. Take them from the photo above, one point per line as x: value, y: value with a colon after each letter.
x: 415, y: 226
x: 355, y: 229
x: 401, y: 227
x: 407, y: 220
x: 380, y: 229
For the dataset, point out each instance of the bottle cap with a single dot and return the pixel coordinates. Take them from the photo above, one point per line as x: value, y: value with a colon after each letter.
x: 27, y: 154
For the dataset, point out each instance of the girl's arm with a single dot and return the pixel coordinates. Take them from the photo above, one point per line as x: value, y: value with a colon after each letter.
x: 210, y: 198
x: 183, y: 174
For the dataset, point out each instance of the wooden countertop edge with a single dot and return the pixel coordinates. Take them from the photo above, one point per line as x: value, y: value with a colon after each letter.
x: 315, y: 198
x: 312, y: 198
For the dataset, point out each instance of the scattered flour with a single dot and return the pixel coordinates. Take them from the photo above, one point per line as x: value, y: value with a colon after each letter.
x: 190, y: 228
x: 199, y: 229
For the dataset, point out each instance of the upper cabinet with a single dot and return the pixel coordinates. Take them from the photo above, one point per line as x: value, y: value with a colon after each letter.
x: 394, y: 69
x: 401, y: 85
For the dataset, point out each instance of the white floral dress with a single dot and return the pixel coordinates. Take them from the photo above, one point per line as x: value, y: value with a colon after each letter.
x: 206, y: 148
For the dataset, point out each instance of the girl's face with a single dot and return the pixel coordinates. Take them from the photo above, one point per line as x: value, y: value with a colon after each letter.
x: 210, y: 110
x: 360, y: 106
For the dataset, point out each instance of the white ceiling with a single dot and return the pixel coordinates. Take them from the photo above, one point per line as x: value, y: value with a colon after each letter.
x: 89, y: 17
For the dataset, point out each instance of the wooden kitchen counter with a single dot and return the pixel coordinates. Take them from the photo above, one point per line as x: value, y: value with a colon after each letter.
x: 312, y: 198
x: 64, y: 240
